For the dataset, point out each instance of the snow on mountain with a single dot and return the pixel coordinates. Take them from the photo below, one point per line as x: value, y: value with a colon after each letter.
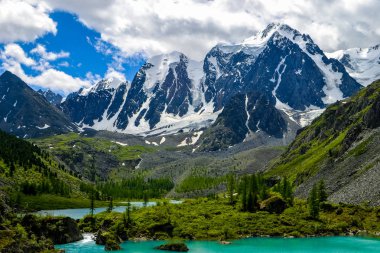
x: 363, y: 64
x: 172, y: 93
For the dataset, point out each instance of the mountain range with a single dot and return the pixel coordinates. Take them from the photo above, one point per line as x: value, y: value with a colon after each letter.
x: 278, y: 73
x: 260, y: 90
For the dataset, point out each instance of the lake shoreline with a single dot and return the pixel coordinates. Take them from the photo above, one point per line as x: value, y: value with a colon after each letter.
x: 327, y: 244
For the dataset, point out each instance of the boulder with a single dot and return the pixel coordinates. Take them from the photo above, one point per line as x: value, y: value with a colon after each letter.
x: 179, y: 247
x: 274, y: 204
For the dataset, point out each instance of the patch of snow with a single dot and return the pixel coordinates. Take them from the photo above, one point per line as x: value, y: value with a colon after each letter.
x: 14, y: 105
x: 188, y: 141
x: 183, y: 143
x: 248, y: 117
x: 257, y: 126
x: 138, y: 165
x: 163, y: 139
x: 214, y: 62
x: 147, y: 142
x: 6, y: 117
x: 120, y: 143
x: 43, y: 127
x: 280, y: 69
x: 196, y: 137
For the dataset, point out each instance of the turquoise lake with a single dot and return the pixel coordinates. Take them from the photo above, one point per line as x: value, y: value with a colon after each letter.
x: 262, y: 245
x: 79, y: 213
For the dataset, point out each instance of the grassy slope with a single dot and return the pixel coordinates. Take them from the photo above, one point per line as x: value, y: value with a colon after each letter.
x: 326, y: 136
x: 339, y: 147
x: 77, y: 152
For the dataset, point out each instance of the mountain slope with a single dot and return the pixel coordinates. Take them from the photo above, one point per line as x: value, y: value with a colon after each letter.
x: 25, y: 113
x: 340, y: 147
x: 172, y: 93
x: 363, y: 64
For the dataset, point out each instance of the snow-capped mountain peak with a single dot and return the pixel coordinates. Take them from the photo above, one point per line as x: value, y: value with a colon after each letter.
x: 280, y: 68
x: 363, y: 64
x: 111, y: 83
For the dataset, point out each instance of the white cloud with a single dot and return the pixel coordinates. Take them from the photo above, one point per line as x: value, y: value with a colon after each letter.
x: 194, y: 26
x: 48, y: 56
x: 13, y: 58
x: 13, y: 52
x: 58, y: 81
x: 24, y: 20
x: 114, y: 74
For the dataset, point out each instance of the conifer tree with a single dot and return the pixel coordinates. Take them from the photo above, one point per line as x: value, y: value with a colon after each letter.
x: 314, y: 202
x: 244, y: 194
x: 110, y: 205
x: 231, y: 188
x: 322, y: 195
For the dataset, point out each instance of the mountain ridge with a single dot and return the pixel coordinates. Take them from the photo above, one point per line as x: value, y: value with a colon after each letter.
x: 172, y: 93
x: 26, y: 113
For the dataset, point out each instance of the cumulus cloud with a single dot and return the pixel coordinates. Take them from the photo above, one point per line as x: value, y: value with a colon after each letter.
x: 58, y: 81
x: 13, y: 58
x: 48, y: 56
x: 13, y: 52
x: 24, y: 20
x: 194, y: 26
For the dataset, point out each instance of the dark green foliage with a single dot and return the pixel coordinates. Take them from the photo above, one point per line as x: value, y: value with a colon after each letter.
x: 217, y: 219
x: 50, y: 185
x: 136, y: 188
x: 179, y: 247
x: 252, y: 189
x: 200, y: 179
x: 231, y: 185
x: 322, y: 194
x: 92, y: 204
x: 110, y: 204
x: 285, y: 188
x: 313, y: 202
x: 25, y: 154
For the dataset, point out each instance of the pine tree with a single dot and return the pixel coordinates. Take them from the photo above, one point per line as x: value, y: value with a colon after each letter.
x: 92, y: 204
x: 127, y: 216
x: 314, y: 202
x: 322, y: 194
x: 12, y: 169
x: 231, y: 188
x: 110, y: 205
x: 244, y: 194
x: 145, y: 198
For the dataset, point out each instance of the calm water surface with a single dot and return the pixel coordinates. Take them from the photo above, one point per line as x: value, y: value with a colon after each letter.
x: 262, y: 245
x: 79, y: 213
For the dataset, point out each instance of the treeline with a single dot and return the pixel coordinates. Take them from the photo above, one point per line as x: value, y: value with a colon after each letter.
x: 14, y: 151
x: 136, y: 188
x: 250, y: 190
x: 47, y: 186
x: 196, y: 182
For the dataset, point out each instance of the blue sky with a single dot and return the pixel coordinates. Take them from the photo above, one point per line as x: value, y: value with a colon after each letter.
x: 83, y: 54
